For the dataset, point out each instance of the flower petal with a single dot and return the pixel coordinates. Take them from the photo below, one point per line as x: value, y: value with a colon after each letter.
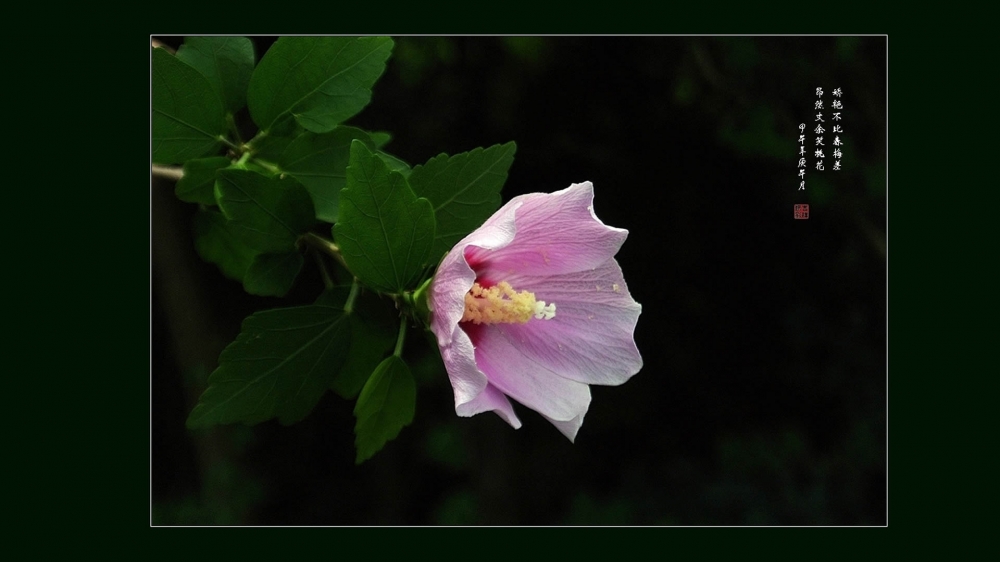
x: 527, y: 380
x: 590, y: 338
x: 568, y: 428
x: 556, y: 233
x: 459, y: 358
x: 554, y: 246
x: 490, y: 399
x: 455, y: 277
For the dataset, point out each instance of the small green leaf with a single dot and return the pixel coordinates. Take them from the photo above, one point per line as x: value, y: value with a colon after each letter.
x: 386, y: 404
x: 217, y: 243
x: 227, y: 63
x: 188, y: 119
x: 321, y: 81
x: 384, y: 231
x: 279, y: 366
x: 272, y: 275
x: 268, y: 214
x: 380, y: 138
x: 464, y: 190
x: 319, y: 162
x: 198, y: 183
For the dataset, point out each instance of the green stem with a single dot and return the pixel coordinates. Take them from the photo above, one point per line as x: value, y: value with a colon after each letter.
x: 259, y: 135
x: 233, y: 128
x: 243, y: 159
x: 323, y: 271
x: 401, y: 338
x: 227, y: 142
x: 273, y: 168
x: 323, y: 245
x: 418, y: 299
x: 349, y: 305
x: 169, y: 172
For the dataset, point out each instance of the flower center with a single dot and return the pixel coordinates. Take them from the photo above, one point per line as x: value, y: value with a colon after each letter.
x: 501, y: 304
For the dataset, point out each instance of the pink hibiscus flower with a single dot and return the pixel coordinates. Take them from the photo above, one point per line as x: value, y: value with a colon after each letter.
x: 533, y: 306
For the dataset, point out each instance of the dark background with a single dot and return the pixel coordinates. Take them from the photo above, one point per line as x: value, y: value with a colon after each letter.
x: 763, y: 395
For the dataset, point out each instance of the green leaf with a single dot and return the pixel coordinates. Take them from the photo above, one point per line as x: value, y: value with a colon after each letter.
x: 268, y: 214
x: 464, y: 190
x: 272, y: 275
x: 321, y: 81
x: 385, y: 406
x: 370, y: 342
x: 380, y: 138
x: 373, y: 333
x: 188, y: 119
x: 227, y: 63
x: 373, y: 324
x: 319, y: 162
x: 217, y: 243
x: 279, y: 366
x: 394, y: 164
x: 334, y: 296
x: 198, y: 183
x: 384, y: 231
x: 269, y: 144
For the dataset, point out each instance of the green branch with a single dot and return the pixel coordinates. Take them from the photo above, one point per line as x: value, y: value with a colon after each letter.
x: 401, y: 338
x: 168, y: 172
x: 323, y: 245
x: 349, y: 305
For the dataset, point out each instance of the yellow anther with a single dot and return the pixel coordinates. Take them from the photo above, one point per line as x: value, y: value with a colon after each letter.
x: 501, y: 304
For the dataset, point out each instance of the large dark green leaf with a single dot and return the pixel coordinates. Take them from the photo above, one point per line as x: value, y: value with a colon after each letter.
x: 373, y: 322
x: 188, y: 119
x: 272, y: 275
x: 279, y: 366
x: 386, y: 404
x: 217, y: 243
x: 464, y: 190
x: 198, y: 183
x: 227, y: 63
x: 370, y: 342
x: 385, y: 232
x: 268, y: 214
x: 322, y: 81
x: 319, y: 161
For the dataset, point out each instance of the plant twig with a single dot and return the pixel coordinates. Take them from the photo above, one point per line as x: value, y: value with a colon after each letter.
x: 323, y: 245
x: 168, y: 172
x: 160, y: 45
x: 401, y: 338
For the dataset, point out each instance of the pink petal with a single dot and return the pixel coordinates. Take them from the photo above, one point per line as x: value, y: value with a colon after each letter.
x: 554, y: 246
x: 590, y: 338
x: 454, y: 276
x: 529, y: 381
x: 490, y: 399
x: 459, y: 358
x: 568, y: 428
x: 555, y: 233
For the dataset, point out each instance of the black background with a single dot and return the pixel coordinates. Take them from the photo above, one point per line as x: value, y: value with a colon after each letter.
x: 763, y: 395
